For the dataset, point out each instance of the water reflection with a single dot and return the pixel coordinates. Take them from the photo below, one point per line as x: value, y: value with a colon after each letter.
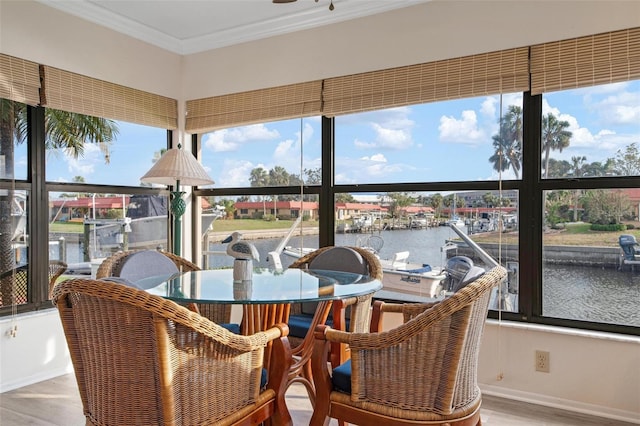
x: 570, y: 292
x: 591, y: 294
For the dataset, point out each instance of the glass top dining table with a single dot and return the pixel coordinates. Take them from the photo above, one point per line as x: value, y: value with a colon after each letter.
x: 266, y: 299
x: 266, y: 286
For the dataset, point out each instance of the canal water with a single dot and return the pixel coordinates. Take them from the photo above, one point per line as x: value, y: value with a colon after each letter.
x: 595, y: 294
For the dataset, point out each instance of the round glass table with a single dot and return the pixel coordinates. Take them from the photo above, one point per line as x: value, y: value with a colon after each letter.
x: 267, y: 297
x: 266, y: 286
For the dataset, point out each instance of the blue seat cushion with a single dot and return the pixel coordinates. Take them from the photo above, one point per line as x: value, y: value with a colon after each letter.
x: 264, y: 378
x: 341, y: 378
x: 234, y: 328
x: 299, y: 324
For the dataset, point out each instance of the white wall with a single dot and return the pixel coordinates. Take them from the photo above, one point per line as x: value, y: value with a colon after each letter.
x: 590, y: 372
x: 37, y: 352
x: 41, y: 34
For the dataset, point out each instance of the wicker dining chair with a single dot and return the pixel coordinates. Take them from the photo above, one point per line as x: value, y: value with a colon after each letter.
x: 421, y: 372
x: 141, y: 359
x: 218, y: 313
x: 302, y: 315
x: 14, y: 286
x: 56, y: 269
x: 341, y: 261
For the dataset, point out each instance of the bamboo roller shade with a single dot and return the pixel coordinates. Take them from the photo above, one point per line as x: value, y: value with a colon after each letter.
x: 19, y: 80
x: 255, y: 106
x: 586, y: 61
x: 505, y: 71
x: 85, y: 95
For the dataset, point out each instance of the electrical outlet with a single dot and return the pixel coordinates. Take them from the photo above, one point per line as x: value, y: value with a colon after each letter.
x: 542, y: 361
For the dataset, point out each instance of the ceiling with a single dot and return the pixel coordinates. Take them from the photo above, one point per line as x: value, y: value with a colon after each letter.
x: 191, y: 26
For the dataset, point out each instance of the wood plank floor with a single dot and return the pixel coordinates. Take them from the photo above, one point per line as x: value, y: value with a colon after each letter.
x: 56, y: 402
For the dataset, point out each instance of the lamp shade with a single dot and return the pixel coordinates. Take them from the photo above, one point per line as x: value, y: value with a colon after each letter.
x: 177, y: 165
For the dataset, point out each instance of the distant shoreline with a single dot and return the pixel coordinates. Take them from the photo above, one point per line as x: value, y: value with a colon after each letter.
x: 257, y: 234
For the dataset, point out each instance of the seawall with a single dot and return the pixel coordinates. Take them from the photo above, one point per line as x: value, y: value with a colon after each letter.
x: 606, y: 257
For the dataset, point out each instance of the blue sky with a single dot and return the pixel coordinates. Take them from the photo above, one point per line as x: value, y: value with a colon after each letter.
x: 432, y: 142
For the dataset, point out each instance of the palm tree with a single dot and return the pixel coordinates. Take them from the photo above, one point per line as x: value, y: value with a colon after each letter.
x: 278, y: 176
x: 436, y: 202
x: 508, y: 142
x: 577, y: 170
x: 558, y: 168
x: 555, y: 137
x: 63, y: 130
x: 259, y: 178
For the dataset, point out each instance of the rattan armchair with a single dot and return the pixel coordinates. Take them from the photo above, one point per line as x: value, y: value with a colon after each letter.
x: 218, y: 313
x: 140, y: 359
x: 421, y: 372
x: 56, y: 269
x: 358, y: 318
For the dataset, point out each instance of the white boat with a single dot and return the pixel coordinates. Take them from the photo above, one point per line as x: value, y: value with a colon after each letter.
x: 456, y: 221
x: 397, y: 274
x: 403, y: 277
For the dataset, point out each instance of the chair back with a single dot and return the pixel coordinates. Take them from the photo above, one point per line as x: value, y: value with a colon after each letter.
x: 142, y: 264
x: 141, y: 359
x: 369, y: 260
x: 434, y: 359
x: 135, y: 265
x: 56, y: 269
x: 111, y: 266
x: 343, y: 259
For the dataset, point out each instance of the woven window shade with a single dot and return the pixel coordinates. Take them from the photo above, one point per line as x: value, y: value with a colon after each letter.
x: 85, y: 95
x: 504, y: 71
x: 586, y: 61
x: 19, y: 80
x: 256, y: 106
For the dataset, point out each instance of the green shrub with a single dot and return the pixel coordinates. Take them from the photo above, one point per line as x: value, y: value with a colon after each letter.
x: 613, y: 227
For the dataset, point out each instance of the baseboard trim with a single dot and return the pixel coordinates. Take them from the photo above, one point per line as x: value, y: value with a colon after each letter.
x: 35, y: 378
x: 562, y: 404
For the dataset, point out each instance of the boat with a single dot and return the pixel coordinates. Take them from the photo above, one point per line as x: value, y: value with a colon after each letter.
x: 398, y: 275
x: 456, y: 221
x: 144, y: 227
x: 403, y: 277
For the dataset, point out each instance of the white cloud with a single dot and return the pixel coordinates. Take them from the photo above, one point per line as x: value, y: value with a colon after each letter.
x: 217, y: 143
x: 378, y: 157
x: 393, y: 138
x: 235, y: 173
x: 363, y: 145
x: 230, y: 139
x: 284, y: 150
x: 488, y: 106
x: 307, y: 133
x: 382, y: 169
x: 621, y: 108
x: 84, y: 165
x: 391, y: 127
x: 464, y: 130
